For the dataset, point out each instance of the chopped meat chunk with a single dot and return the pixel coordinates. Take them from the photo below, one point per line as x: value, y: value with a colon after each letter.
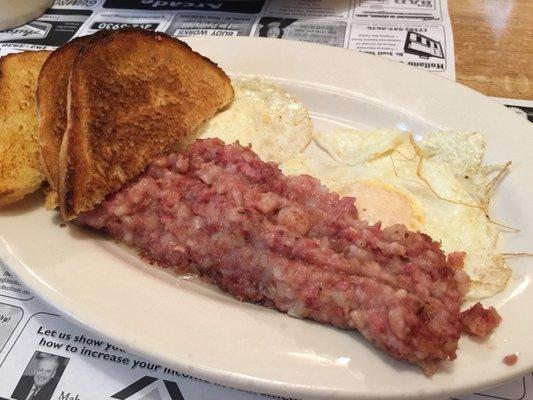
x: 479, y: 321
x: 510, y: 359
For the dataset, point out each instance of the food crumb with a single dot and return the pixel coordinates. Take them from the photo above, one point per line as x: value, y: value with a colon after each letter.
x: 62, y: 225
x: 510, y: 359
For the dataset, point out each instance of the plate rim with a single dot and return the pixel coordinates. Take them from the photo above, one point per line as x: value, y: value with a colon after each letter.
x: 231, y: 379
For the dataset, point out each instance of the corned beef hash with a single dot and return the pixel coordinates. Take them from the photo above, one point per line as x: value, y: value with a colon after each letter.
x: 289, y: 243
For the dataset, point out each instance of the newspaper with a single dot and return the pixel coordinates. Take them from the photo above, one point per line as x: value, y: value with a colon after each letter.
x: 524, y: 108
x: 415, y: 32
x: 39, y: 346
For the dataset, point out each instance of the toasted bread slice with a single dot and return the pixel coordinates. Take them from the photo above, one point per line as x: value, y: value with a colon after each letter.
x: 132, y: 94
x: 20, y: 167
x: 51, y: 97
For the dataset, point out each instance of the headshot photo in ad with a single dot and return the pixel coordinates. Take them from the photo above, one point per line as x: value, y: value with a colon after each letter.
x: 274, y: 27
x: 40, y: 377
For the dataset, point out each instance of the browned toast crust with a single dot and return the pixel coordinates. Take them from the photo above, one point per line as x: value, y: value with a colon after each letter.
x: 20, y: 167
x: 132, y: 94
x: 51, y: 97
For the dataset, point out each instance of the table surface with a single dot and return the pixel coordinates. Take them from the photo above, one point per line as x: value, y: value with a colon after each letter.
x: 494, y: 46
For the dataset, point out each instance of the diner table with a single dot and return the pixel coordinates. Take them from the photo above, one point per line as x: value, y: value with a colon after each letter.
x: 494, y: 46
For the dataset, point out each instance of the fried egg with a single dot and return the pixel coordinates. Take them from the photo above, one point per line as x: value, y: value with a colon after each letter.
x: 262, y: 114
x: 352, y: 146
x: 437, y: 186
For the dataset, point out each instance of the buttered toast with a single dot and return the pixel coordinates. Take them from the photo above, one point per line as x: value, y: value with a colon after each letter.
x: 20, y: 167
x: 132, y: 94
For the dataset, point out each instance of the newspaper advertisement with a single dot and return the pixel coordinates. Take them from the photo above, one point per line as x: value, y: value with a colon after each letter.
x: 55, y: 27
x: 42, y: 355
x: 415, y: 32
x: 401, y: 9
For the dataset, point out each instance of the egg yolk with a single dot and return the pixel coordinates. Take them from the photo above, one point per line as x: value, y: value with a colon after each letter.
x: 379, y: 203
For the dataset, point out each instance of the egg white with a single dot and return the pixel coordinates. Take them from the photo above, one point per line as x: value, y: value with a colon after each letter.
x: 262, y: 114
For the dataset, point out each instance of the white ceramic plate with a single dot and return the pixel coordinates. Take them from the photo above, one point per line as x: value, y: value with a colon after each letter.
x: 198, y: 330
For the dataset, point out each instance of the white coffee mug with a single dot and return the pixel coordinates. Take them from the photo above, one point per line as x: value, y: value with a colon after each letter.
x: 17, y: 12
